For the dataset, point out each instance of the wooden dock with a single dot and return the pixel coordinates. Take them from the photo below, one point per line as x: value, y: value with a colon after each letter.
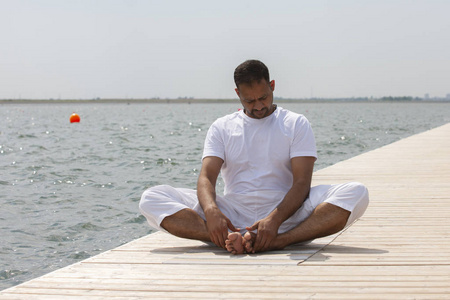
x: 400, y: 249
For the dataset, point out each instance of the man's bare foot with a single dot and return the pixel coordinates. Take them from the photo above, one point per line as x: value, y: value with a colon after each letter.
x: 249, y: 239
x: 235, y: 243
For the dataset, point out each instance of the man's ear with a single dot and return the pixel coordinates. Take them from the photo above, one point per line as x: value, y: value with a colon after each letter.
x: 237, y: 92
x: 272, y: 85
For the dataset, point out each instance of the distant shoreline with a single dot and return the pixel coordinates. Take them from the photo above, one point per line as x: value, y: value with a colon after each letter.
x: 189, y: 101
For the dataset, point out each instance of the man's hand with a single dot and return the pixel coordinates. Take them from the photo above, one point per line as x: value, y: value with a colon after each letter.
x: 267, y: 232
x: 218, y: 225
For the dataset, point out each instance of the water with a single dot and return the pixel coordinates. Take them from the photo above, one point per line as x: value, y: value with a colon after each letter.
x: 70, y: 191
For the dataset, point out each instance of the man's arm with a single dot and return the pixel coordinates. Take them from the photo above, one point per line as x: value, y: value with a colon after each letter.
x: 302, y: 169
x: 216, y: 222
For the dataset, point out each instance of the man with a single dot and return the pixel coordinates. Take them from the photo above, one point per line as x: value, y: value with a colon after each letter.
x: 266, y: 156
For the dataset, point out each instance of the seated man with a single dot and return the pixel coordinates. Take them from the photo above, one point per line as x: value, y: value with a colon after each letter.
x: 266, y: 156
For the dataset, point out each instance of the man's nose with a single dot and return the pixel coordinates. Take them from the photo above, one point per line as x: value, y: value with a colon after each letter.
x: 259, y: 105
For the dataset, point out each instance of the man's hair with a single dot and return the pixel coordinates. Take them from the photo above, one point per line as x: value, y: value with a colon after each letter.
x: 251, y: 71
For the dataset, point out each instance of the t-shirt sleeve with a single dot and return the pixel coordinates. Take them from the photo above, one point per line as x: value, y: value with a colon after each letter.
x: 214, y: 144
x: 303, y: 143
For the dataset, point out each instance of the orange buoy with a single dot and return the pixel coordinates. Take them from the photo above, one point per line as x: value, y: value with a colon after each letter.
x: 74, y: 118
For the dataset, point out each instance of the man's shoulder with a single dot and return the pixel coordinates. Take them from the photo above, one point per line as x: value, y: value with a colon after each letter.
x: 289, y: 116
x: 227, y: 118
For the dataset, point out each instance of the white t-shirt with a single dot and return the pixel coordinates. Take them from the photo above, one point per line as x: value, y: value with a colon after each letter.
x: 257, y: 152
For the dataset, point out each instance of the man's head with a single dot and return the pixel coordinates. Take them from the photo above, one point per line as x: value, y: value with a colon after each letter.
x: 254, y: 88
x: 251, y: 71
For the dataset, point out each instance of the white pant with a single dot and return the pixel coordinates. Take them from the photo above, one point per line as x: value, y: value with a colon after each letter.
x: 161, y: 201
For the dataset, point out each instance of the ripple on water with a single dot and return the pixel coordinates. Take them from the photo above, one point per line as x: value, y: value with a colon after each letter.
x: 86, y: 226
x: 78, y: 255
x: 24, y: 136
x: 7, y: 274
x: 108, y: 185
x: 58, y: 238
x: 137, y: 220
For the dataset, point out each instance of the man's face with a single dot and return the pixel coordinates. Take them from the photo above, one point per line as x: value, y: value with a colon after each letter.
x: 257, y: 98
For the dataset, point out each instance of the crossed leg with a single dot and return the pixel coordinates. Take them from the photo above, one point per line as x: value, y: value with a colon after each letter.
x: 186, y: 223
x: 325, y: 220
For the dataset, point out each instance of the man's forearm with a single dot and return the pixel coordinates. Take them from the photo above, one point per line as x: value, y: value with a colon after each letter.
x: 206, y: 184
x: 302, y: 169
x: 206, y: 194
x: 292, y: 201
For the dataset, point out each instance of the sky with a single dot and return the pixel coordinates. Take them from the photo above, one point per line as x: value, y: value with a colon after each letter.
x: 85, y: 49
